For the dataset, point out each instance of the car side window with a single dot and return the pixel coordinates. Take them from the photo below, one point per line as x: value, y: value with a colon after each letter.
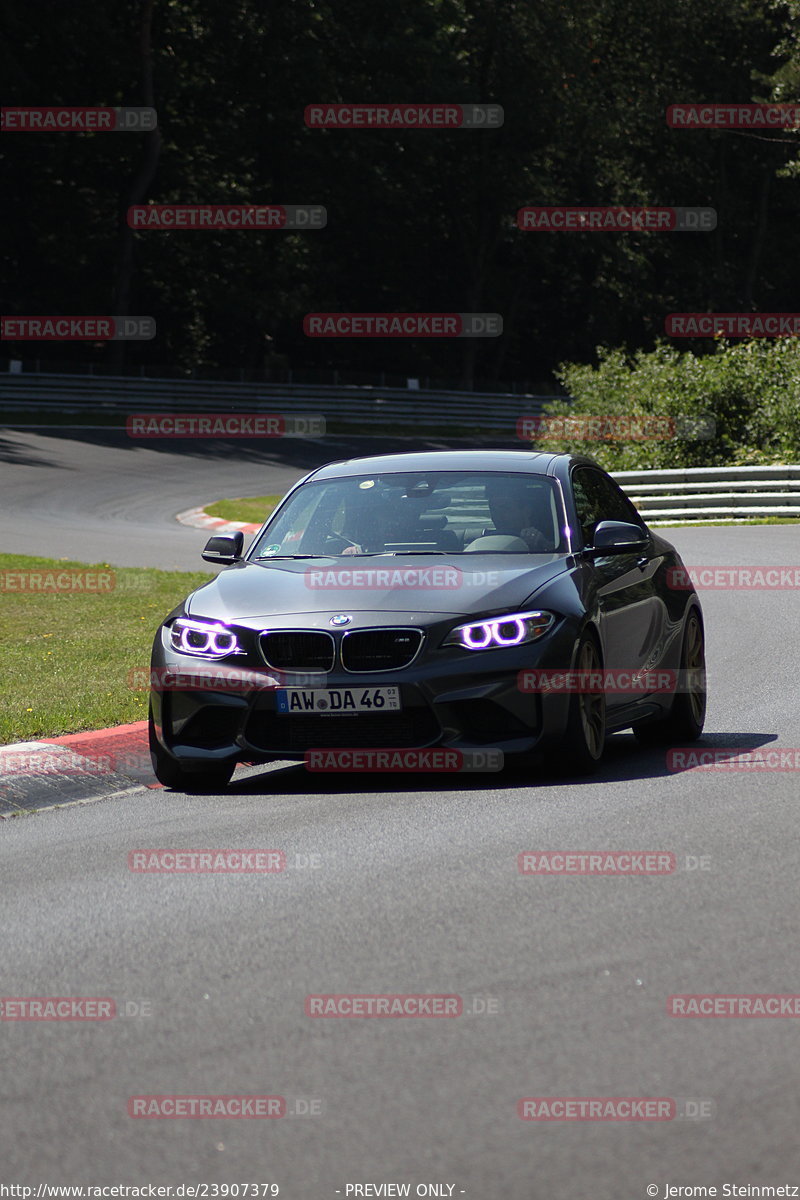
x: 598, y: 498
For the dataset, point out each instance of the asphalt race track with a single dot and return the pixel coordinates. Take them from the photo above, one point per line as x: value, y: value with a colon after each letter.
x: 101, y: 497
x: 405, y: 884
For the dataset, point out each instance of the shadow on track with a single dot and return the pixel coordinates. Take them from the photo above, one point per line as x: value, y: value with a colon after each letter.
x: 624, y: 761
x: 21, y: 455
x: 303, y: 453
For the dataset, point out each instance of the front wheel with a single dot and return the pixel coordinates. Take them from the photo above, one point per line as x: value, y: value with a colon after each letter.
x: 688, y: 713
x: 211, y: 777
x: 583, y: 745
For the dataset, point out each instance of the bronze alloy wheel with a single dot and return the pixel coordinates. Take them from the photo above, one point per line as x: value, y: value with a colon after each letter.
x: 695, y: 663
x: 592, y: 705
x: 581, y: 750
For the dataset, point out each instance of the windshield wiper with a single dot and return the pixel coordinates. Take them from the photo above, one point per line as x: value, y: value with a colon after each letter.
x: 271, y: 557
x: 367, y: 554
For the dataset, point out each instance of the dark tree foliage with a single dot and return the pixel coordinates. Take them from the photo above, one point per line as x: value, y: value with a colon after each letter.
x: 417, y: 221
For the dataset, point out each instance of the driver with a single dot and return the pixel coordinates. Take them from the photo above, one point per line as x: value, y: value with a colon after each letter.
x: 514, y: 511
x: 380, y: 520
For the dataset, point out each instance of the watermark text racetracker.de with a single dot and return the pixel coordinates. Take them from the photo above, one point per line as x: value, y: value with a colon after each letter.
x: 77, y: 329
x: 402, y: 325
x: 71, y: 1008
x: 224, y: 425
x: 733, y: 758
x: 180, y: 1107
x: 735, y: 1005
x: 732, y: 325
x: 50, y: 582
x: 433, y: 578
x: 221, y: 862
x: 733, y: 116
x: 615, y: 218
x: 399, y: 1005
x: 440, y: 116
x: 437, y: 759
x: 77, y: 120
x: 610, y: 427
x: 209, y: 677
x: 258, y: 217
x: 608, y: 862
x: 615, y: 1108
x: 61, y: 761
x: 718, y: 578
x: 207, y: 862
x: 596, y: 862
x: 611, y: 681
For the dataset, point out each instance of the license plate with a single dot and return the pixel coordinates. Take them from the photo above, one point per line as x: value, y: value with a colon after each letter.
x: 337, y: 701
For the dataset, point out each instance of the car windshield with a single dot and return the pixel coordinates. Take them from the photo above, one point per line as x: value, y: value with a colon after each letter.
x: 432, y: 513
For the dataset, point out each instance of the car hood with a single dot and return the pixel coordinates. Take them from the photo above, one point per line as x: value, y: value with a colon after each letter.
x: 249, y: 592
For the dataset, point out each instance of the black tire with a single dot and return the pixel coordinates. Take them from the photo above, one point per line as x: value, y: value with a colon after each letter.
x: 583, y: 745
x: 212, y: 777
x: 688, y: 713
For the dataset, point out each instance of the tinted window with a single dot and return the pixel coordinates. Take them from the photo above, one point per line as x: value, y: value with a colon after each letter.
x: 598, y: 498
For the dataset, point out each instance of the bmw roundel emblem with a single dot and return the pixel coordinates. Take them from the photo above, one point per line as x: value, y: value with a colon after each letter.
x: 341, y: 619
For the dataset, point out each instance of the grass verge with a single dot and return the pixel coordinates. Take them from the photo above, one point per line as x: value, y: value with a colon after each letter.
x: 66, y: 657
x: 246, y: 508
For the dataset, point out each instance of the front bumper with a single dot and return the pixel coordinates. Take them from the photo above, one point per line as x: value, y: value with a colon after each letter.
x: 456, y: 699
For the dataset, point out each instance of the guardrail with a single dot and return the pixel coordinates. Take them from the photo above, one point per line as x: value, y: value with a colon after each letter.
x: 345, y: 408
x: 698, y: 494
x: 278, y: 375
x: 692, y: 494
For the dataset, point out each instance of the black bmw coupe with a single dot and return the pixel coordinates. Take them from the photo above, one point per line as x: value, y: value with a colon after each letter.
x: 465, y: 600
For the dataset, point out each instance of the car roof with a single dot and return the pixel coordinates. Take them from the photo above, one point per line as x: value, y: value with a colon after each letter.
x: 537, y: 462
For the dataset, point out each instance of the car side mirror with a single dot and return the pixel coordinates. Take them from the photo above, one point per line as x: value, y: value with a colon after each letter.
x: 224, y: 548
x: 618, y: 537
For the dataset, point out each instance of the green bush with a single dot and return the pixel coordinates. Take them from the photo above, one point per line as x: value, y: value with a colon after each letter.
x: 747, y: 393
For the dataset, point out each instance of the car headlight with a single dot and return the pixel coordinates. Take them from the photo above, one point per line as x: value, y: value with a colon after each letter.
x: 205, y: 639
x: 512, y: 630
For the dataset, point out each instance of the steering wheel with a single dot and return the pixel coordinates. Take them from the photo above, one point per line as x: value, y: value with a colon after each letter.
x: 340, y: 537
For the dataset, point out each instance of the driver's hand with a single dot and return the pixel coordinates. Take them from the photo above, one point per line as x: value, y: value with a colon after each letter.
x: 534, y: 537
x: 352, y: 550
